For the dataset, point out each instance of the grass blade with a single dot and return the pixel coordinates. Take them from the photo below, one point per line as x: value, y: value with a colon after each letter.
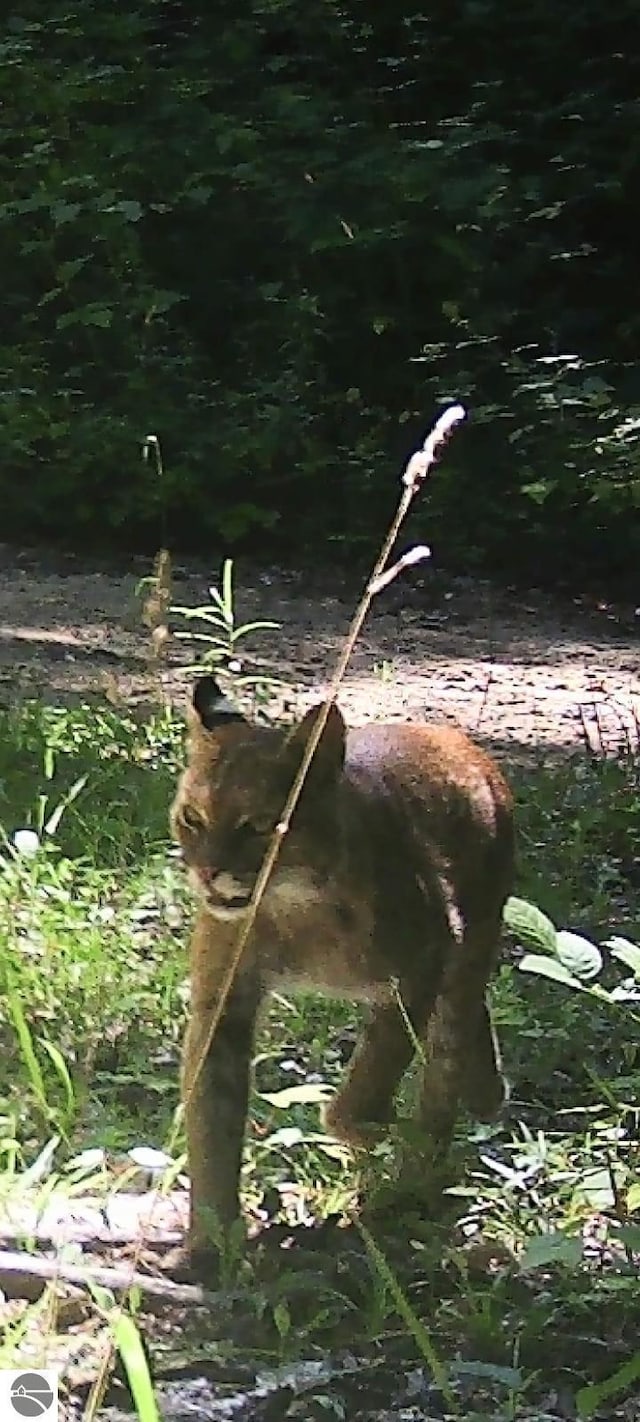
x: 130, y: 1347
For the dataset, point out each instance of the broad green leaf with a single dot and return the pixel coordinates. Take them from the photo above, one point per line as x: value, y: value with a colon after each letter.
x: 548, y: 968
x: 85, y: 316
x: 530, y: 923
x: 599, y: 1189
x: 633, y: 1200
x: 67, y: 270
x: 282, y: 1318
x: 628, y: 1234
x: 539, y: 490
x: 286, y: 1137
x: 507, y: 1377
x: 625, y: 952
x: 62, y: 212
x: 310, y: 1094
x: 579, y: 955
x: 554, y: 1248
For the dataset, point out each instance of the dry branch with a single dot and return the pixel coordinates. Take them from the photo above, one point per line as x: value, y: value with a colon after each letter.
x: 25, y: 1276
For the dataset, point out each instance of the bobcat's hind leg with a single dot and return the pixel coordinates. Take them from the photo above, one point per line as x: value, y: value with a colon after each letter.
x: 484, y: 1088
x: 461, y: 1055
x: 363, y: 1105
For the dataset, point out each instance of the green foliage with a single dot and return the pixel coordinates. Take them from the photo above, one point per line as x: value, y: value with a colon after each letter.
x: 86, y: 899
x: 279, y: 235
x: 572, y: 959
x: 130, y: 1346
x: 221, y: 645
x: 93, y: 916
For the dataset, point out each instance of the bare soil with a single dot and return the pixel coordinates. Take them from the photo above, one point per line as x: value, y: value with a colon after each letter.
x: 520, y: 670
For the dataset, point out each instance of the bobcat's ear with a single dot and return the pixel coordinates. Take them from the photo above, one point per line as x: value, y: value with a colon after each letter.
x: 210, y: 708
x: 328, y: 760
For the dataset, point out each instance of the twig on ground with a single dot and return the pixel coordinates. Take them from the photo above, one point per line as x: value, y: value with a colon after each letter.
x: 485, y: 697
x: 586, y: 734
x: 25, y: 1276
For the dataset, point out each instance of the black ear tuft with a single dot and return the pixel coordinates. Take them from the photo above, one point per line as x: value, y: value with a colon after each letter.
x: 211, y: 706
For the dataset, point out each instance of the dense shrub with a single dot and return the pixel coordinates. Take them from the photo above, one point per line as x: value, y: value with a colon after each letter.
x: 278, y: 235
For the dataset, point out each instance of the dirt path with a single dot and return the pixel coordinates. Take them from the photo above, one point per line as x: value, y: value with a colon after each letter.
x: 515, y: 669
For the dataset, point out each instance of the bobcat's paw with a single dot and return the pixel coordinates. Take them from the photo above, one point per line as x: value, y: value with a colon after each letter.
x: 355, y: 1132
x: 192, y: 1266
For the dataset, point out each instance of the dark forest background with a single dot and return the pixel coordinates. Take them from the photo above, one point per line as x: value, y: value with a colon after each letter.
x: 280, y: 235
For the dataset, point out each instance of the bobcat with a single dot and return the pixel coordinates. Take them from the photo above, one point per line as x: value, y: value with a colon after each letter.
x: 390, y: 883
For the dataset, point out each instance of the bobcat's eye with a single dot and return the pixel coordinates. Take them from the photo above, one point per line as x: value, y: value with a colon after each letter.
x: 192, y: 819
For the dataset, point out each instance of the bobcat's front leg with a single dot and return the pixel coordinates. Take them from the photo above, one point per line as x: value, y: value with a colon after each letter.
x: 215, y: 1084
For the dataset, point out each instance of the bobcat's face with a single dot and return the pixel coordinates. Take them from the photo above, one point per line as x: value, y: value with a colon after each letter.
x: 230, y: 798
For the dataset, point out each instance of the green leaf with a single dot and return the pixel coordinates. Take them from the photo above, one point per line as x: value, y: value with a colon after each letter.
x: 548, y: 968
x: 625, y: 952
x: 297, y: 1095
x: 199, y: 614
x: 86, y: 316
x: 248, y: 627
x: 628, y: 1235
x: 599, y: 1189
x: 579, y: 955
x: 507, y: 1377
x: 554, y: 1248
x: 67, y: 270
x: 415, y: 1325
x: 588, y: 1399
x: 41, y: 1167
x: 62, y: 212
x: 539, y: 490
x: 282, y: 1319
x: 633, y: 1203
x: 132, y: 210
x: 527, y: 921
x: 286, y: 1137
x: 227, y: 590
x: 62, y: 1071
x: 25, y: 1039
x: 54, y: 819
x: 131, y: 1350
